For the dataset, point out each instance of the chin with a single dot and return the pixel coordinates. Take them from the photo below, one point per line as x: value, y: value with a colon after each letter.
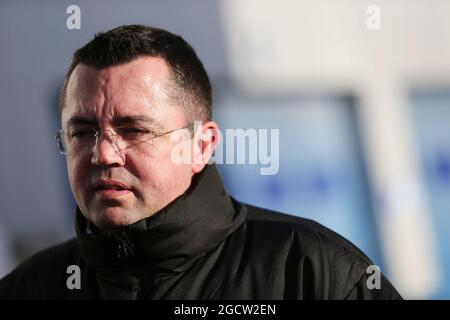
x: 114, y: 218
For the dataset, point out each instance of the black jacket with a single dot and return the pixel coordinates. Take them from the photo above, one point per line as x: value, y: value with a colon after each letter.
x: 204, y: 245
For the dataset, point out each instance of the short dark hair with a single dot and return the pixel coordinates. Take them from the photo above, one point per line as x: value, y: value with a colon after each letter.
x: 189, y: 86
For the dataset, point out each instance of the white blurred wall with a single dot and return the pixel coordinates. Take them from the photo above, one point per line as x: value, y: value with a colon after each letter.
x: 321, y: 45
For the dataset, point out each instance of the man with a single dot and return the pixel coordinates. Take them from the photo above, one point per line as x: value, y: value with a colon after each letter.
x: 150, y: 226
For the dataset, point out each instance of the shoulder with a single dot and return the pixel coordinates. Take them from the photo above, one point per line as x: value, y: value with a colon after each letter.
x: 41, y: 274
x: 307, y: 234
x: 314, y: 259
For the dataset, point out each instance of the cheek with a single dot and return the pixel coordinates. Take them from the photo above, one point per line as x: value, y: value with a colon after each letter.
x: 160, y: 173
x: 78, y: 176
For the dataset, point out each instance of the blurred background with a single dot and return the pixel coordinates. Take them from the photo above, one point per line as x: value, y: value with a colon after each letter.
x: 359, y: 90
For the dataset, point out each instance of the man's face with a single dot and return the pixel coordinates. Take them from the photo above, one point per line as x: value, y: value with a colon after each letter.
x: 117, y: 188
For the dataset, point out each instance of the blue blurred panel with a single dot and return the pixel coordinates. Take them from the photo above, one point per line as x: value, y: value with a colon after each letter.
x: 321, y: 174
x: 432, y: 123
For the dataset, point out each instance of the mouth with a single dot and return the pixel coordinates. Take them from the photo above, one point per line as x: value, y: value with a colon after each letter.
x: 111, y: 189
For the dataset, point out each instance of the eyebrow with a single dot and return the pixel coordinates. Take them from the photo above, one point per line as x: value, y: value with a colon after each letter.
x: 136, y: 119
x: 78, y: 120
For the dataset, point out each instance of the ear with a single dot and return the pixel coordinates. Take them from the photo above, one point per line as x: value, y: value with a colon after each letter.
x: 206, y: 139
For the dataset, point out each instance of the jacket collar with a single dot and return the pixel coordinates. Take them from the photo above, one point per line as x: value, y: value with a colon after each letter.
x: 174, y: 237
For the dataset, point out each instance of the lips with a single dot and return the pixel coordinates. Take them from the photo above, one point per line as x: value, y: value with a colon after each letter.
x: 104, y: 184
x: 111, y: 189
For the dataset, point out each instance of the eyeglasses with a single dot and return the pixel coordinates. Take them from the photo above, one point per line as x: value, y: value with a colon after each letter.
x: 122, y: 138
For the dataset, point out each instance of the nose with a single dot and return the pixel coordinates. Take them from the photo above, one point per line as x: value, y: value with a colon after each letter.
x: 106, y: 152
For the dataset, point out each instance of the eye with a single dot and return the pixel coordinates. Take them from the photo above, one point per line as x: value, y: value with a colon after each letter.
x: 133, y: 132
x: 82, y: 134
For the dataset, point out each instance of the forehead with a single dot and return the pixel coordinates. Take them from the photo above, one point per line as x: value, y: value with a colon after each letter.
x: 133, y: 88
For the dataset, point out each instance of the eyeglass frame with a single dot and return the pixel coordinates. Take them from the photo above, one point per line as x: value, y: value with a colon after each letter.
x: 63, y: 149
